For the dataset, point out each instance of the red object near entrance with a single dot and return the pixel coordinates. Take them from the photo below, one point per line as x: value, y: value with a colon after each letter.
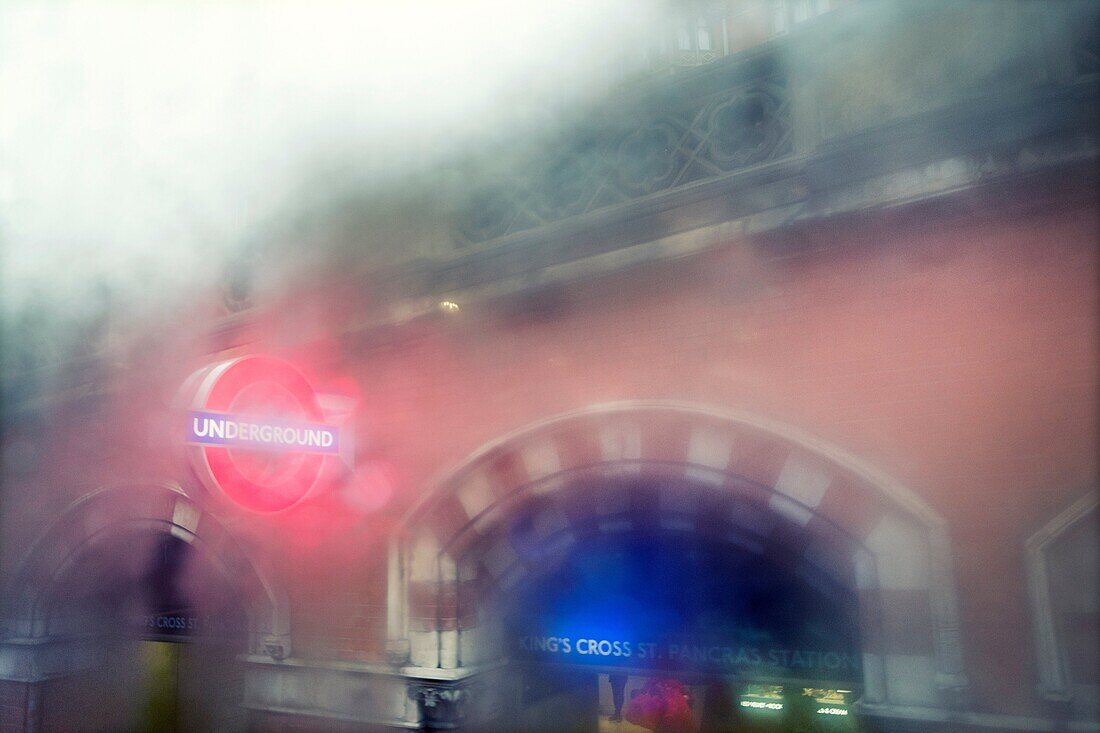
x: 662, y: 706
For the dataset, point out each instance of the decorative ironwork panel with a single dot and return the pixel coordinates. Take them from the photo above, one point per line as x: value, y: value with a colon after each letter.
x: 697, y: 139
x: 1086, y: 51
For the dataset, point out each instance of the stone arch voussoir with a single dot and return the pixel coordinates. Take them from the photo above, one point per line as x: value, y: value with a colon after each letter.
x: 159, y: 508
x: 901, y: 566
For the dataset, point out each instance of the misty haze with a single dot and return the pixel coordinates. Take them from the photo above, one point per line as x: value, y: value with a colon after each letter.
x: 686, y: 366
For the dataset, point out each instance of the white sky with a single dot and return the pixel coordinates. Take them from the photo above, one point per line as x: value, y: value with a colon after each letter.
x: 139, y: 142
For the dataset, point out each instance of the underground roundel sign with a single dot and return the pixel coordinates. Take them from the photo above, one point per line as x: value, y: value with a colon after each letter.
x: 256, y: 432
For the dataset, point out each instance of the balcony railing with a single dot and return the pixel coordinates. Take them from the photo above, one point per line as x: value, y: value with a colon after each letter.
x: 861, y: 92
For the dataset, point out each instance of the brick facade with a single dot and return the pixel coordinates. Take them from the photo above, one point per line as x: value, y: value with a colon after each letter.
x: 955, y: 355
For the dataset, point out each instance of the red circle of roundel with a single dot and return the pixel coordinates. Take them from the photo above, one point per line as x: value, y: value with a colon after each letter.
x: 258, y: 386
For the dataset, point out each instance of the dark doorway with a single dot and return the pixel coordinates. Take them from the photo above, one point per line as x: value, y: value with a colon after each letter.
x: 168, y: 628
x: 747, y: 638
x: 557, y: 700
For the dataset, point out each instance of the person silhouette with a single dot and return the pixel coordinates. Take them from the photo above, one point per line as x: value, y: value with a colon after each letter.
x: 618, y: 688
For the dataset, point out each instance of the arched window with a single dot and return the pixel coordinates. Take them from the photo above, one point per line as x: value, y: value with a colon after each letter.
x: 702, y: 35
x: 683, y: 38
x: 1063, y: 570
x: 788, y: 13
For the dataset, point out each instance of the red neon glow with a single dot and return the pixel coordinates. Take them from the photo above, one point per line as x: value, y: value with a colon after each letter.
x: 370, y: 487
x: 261, y: 387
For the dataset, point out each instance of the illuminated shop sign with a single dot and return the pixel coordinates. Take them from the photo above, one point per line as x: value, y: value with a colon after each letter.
x: 797, y: 708
x: 763, y: 698
x: 832, y: 703
x: 256, y: 432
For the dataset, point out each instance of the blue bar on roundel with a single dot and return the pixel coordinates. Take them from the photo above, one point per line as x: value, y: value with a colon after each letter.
x: 259, y: 433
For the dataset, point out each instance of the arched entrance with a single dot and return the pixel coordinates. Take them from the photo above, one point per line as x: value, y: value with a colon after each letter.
x: 865, y: 561
x: 131, y: 611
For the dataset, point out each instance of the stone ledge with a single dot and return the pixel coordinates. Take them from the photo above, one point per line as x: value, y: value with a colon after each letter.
x: 40, y: 659
x: 369, y: 693
x: 993, y: 721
